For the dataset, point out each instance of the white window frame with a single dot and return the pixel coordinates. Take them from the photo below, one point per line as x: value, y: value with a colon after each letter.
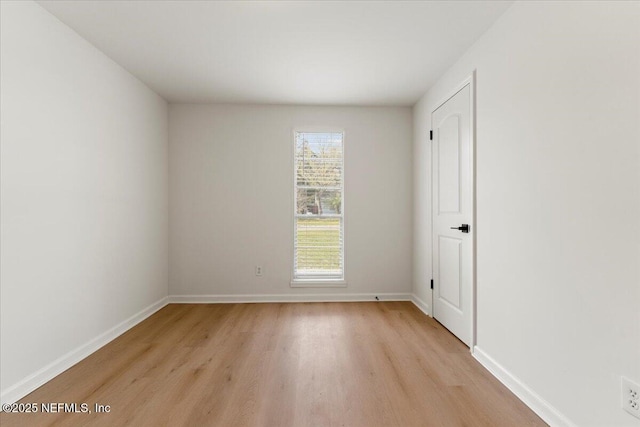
x: 311, y: 281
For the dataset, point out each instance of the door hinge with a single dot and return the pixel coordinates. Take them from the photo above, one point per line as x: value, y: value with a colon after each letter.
x: 430, y: 135
x: 431, y: 283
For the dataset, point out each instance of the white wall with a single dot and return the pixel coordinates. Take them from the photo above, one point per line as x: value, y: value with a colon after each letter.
x: 84, y: 194
x: 231, y: 192
x: 558, y: 201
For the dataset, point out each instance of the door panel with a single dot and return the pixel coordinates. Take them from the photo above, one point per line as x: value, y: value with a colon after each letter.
x: 452, y: 197
x: 449, y: 165
x: 449, y: 268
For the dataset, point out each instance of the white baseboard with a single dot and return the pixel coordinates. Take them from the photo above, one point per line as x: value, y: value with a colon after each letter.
x: 335, y: 297
x: 27, y: 385
x: 548, y: 413
x: 423, y: 306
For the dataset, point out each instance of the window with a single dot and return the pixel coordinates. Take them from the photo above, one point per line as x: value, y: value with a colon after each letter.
x: 319, y: 207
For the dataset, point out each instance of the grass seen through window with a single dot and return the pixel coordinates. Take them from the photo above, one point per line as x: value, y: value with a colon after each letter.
x: 318, y: 243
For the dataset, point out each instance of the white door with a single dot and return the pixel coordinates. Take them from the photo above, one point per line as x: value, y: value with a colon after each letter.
x: 452, y: 201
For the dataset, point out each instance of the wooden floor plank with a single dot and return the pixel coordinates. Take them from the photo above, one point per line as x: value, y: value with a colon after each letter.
x: 297, y: 364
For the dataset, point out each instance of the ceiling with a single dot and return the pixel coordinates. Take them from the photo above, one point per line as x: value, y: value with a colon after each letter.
x: 283, y: 52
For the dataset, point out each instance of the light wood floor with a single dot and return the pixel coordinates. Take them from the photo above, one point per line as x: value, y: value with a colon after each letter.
x: 304, y: 364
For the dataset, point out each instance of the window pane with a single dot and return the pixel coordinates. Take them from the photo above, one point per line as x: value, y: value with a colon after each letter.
x: 319, y: 246
x: 319, y: 160
x: 314, y: 201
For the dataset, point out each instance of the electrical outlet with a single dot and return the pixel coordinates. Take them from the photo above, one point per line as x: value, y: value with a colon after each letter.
x: 631, y: 397
x: 258, y: 270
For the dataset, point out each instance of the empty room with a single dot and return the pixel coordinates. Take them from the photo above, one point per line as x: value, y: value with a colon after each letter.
x: 320, y: 213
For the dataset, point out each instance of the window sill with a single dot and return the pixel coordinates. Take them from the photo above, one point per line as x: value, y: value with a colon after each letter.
x: 318, y: 283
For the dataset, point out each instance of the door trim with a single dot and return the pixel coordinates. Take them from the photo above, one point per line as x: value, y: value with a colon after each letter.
x: 470, y: 81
